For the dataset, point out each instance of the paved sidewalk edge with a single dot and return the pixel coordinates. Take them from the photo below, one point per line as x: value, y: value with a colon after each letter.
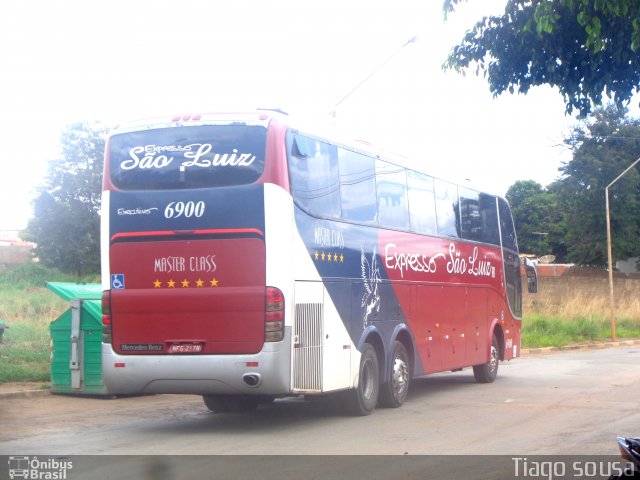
x: 586, y: 346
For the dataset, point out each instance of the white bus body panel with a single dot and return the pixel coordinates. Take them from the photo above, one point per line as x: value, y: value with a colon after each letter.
x: 322, y: 360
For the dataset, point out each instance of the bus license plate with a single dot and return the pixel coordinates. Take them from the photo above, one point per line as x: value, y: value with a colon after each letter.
x: 185, y: 348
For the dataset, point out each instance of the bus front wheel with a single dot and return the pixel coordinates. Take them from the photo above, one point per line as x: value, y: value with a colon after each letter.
x: 487, y: 372
x: 363, y: 399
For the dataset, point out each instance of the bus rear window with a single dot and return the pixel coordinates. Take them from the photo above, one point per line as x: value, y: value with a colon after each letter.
x: 187, y: 157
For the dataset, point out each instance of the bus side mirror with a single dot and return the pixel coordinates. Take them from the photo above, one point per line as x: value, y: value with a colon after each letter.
x: 532, y: 276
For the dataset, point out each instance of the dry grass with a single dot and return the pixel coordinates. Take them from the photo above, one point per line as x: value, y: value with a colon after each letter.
x: 35, y: 306
x: 560, y: 316
x: 583, y: 304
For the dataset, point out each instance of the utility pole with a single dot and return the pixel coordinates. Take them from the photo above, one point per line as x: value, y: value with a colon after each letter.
x: 612, y: 305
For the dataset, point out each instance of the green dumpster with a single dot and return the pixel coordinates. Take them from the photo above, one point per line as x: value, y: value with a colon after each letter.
x: 76, y: 341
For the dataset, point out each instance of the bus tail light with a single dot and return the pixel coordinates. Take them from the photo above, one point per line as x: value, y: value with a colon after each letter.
x: 274, y: 315
x: 106, y: 316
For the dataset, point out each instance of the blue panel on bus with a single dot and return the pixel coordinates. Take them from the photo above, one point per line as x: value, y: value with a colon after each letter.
x: 187, y: 210
x: 348, y: 259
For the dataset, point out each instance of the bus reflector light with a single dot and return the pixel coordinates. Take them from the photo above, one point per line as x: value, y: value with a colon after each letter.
x: 106, y: 334
x: 273, y: 336
x: 275, y: 299
x: 273, y: 326
x: 119, y: 365
x: 274, y: 315
x: 252, y: 364
x: 106, y: 317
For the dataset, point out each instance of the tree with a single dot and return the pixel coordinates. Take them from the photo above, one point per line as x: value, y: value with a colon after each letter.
x: 538, y: 219
x: 66, y: 225
x: 603, y: 147
x: 583, y: 47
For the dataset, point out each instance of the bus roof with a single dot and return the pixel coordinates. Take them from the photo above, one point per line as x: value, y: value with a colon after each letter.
x: 323, y: 131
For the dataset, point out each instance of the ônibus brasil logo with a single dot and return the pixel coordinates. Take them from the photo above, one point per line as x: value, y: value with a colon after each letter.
x: 33, y: 468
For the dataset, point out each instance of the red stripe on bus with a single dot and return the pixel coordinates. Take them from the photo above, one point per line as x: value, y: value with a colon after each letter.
x: 161, y: 233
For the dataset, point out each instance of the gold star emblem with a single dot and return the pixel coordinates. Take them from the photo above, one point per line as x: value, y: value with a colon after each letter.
x: 199, y: 283
x: 322, y: 256
x: 157, y: 284
x: 317, y: 255
x: 171, y: 283
x: 335, y: 257
x: 341, y: 258
x: 185, y: 283
x: 214, y: 282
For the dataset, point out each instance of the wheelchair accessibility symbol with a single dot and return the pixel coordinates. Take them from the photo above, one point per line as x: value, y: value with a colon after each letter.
x: 117, y: 281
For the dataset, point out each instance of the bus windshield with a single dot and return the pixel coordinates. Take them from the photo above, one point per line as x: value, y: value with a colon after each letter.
x: 187, y: 157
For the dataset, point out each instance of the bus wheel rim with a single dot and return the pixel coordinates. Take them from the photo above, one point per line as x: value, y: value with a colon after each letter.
x: 493, y: 362
x: 399, y: 376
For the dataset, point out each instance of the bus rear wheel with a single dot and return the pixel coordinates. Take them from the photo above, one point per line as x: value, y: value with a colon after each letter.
x: 487, y: 372
x: 394, y: 392
x: 363, y: 399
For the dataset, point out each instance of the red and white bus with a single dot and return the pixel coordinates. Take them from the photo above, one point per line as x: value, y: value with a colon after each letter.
x: 245, y: 259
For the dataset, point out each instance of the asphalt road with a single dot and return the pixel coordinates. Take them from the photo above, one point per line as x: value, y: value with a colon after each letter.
x: 563, y: 403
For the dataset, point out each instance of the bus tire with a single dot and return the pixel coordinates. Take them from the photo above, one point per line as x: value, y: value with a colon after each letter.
x: 362, y: 400
x: 231, y: 403
x: 487, y: 372
x: 394, y: 392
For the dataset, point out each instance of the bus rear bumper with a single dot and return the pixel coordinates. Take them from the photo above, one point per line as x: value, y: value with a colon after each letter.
x: 263, y: 373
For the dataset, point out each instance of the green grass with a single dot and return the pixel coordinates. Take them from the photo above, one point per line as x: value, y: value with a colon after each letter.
x: 27, y: 307
x: 33, y: 275
x: 579, y: 316
x: 24, y: 355
x: 544, y: 330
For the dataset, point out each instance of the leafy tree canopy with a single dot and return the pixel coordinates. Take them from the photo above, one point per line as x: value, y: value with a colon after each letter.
x: 538, y: 220
x: 66, y: 225
x: 603, y: 147
x: 567, y: 218
x: 586, y: 48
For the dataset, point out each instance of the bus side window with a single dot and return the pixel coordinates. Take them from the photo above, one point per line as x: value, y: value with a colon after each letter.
x: 506, y: 226
x: 447, y: 213
x: 422, y: 205
x: 313, y: 168
x: 357, y: 186
x: 391, y: 183
x: 511, y: 259
x: 489, y: 218
x: 470, y: 218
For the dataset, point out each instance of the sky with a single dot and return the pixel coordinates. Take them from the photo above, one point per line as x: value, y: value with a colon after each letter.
x: 115, y: 61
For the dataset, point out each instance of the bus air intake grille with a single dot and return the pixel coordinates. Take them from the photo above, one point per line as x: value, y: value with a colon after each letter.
x: 308, y: 345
